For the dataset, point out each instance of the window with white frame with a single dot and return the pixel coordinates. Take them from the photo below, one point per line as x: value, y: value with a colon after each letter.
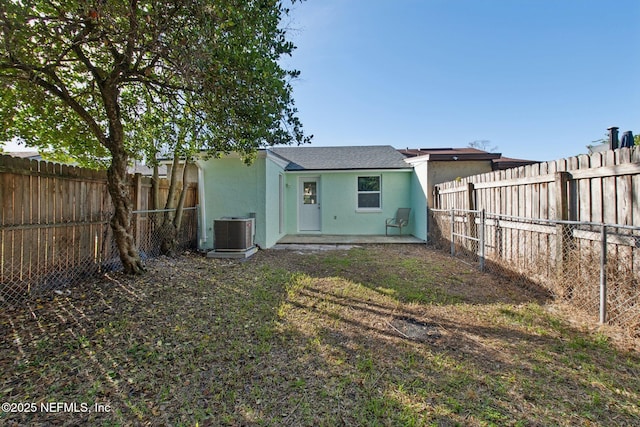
x: 369, y: 192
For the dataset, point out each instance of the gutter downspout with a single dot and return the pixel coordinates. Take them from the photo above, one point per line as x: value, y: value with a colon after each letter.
x: 202, y: 230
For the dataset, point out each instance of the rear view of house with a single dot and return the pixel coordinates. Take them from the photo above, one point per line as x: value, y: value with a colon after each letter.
x: 294, y: 191
x: 309, y: 190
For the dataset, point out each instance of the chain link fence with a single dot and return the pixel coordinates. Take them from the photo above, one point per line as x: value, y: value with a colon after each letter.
x: 594, y: 267
x: 36, y: 259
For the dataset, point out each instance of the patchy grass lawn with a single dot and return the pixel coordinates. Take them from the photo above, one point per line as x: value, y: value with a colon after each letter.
x: 375, y: 336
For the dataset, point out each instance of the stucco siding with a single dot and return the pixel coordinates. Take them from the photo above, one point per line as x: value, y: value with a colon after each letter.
x: 290, y: 204
x: 233, y: 189
x: 271, y: 196
x: 338, y: 202
x: 439, y: 172
x: 419, y: 188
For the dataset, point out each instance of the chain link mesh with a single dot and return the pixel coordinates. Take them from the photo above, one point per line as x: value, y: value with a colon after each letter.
x: 563, y: 258
x: 43, y: 258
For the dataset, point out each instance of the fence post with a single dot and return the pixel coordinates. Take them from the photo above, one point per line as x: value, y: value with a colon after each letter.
x: 453, y: 245
x: 563, y: 231
x: 472, y: 228
x: 471, y: 200
x: 481, y: 238
x: 137, y: 188
x: 603, y: 274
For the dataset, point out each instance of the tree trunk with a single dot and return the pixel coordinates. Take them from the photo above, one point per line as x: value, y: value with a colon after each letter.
x: 155, y: 188
x: 177, y: 221
x: 117, y: 182
x: 155, y: 197
x: 173, y: 186
x: 121, y: 220
x: 168, y: 228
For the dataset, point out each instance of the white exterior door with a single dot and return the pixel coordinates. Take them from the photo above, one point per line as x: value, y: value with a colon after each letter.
x: 309, y: 204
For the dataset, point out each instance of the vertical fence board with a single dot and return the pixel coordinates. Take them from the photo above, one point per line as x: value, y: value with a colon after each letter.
x: 64, y: 242
x: 36, y: 197
x: 47, y: 217
x: 609, y: 192
x: 508, y: 210
x: 584, y: 192
x: 635, y: 198
x: 2, y: 232
x: 31, y: 247
x: 596, y: 190
x: 522, y: 235
x: 18, y: 211
x: 625, y: 190
x: 81, y: 231
x: 8, y: 241
x: 37, y: 219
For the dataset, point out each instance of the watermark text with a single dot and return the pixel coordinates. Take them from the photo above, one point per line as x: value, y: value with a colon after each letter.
x: 54, y: 407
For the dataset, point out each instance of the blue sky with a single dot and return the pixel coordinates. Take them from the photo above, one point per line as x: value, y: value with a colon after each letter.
x: 539, y: 79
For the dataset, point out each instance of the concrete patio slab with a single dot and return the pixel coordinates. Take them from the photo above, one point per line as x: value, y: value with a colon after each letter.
x: 300, y: 247
x: 333, y: 239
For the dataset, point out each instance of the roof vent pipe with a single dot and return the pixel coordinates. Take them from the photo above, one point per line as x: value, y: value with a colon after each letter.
x: 613, y: 137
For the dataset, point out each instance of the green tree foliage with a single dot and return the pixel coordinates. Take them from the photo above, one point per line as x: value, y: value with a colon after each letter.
x: 107, y: 80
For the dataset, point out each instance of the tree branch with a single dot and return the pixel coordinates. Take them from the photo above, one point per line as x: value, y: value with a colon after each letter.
x: 133, y: 32
x: 60, y: 91
x: 97, y: 74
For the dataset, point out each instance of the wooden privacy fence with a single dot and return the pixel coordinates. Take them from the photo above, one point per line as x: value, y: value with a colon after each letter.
x: 54, y: 224
x: 571, y: 226
x: 601, y: 187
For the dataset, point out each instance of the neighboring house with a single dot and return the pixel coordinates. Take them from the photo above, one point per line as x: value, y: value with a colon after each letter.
x: 599, y: 148
x: 436, y: 165
x: 144, y: 170
x: 508, y: 163
x: 329, y: 190
x: 31, y: 155
x: 497, y: 161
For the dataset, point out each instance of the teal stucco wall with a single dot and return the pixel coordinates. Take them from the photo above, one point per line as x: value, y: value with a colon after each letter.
x: 338, y: 201
x: 274, y: 231
x: 419, y: 202
x: 233, y: 189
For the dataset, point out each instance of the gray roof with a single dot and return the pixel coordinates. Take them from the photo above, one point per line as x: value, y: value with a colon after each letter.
x: 33, y: 155
x: 341, y: 158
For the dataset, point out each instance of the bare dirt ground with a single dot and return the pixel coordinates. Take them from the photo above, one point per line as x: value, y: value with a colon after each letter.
x: 378, y: 335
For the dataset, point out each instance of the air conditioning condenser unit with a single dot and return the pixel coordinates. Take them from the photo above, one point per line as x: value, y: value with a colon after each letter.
x: 233, y: 234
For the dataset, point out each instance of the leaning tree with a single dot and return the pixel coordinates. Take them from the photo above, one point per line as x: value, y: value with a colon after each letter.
x: 105, y: 80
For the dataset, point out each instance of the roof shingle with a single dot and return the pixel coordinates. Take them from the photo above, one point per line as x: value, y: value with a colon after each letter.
x: 341, y: 158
